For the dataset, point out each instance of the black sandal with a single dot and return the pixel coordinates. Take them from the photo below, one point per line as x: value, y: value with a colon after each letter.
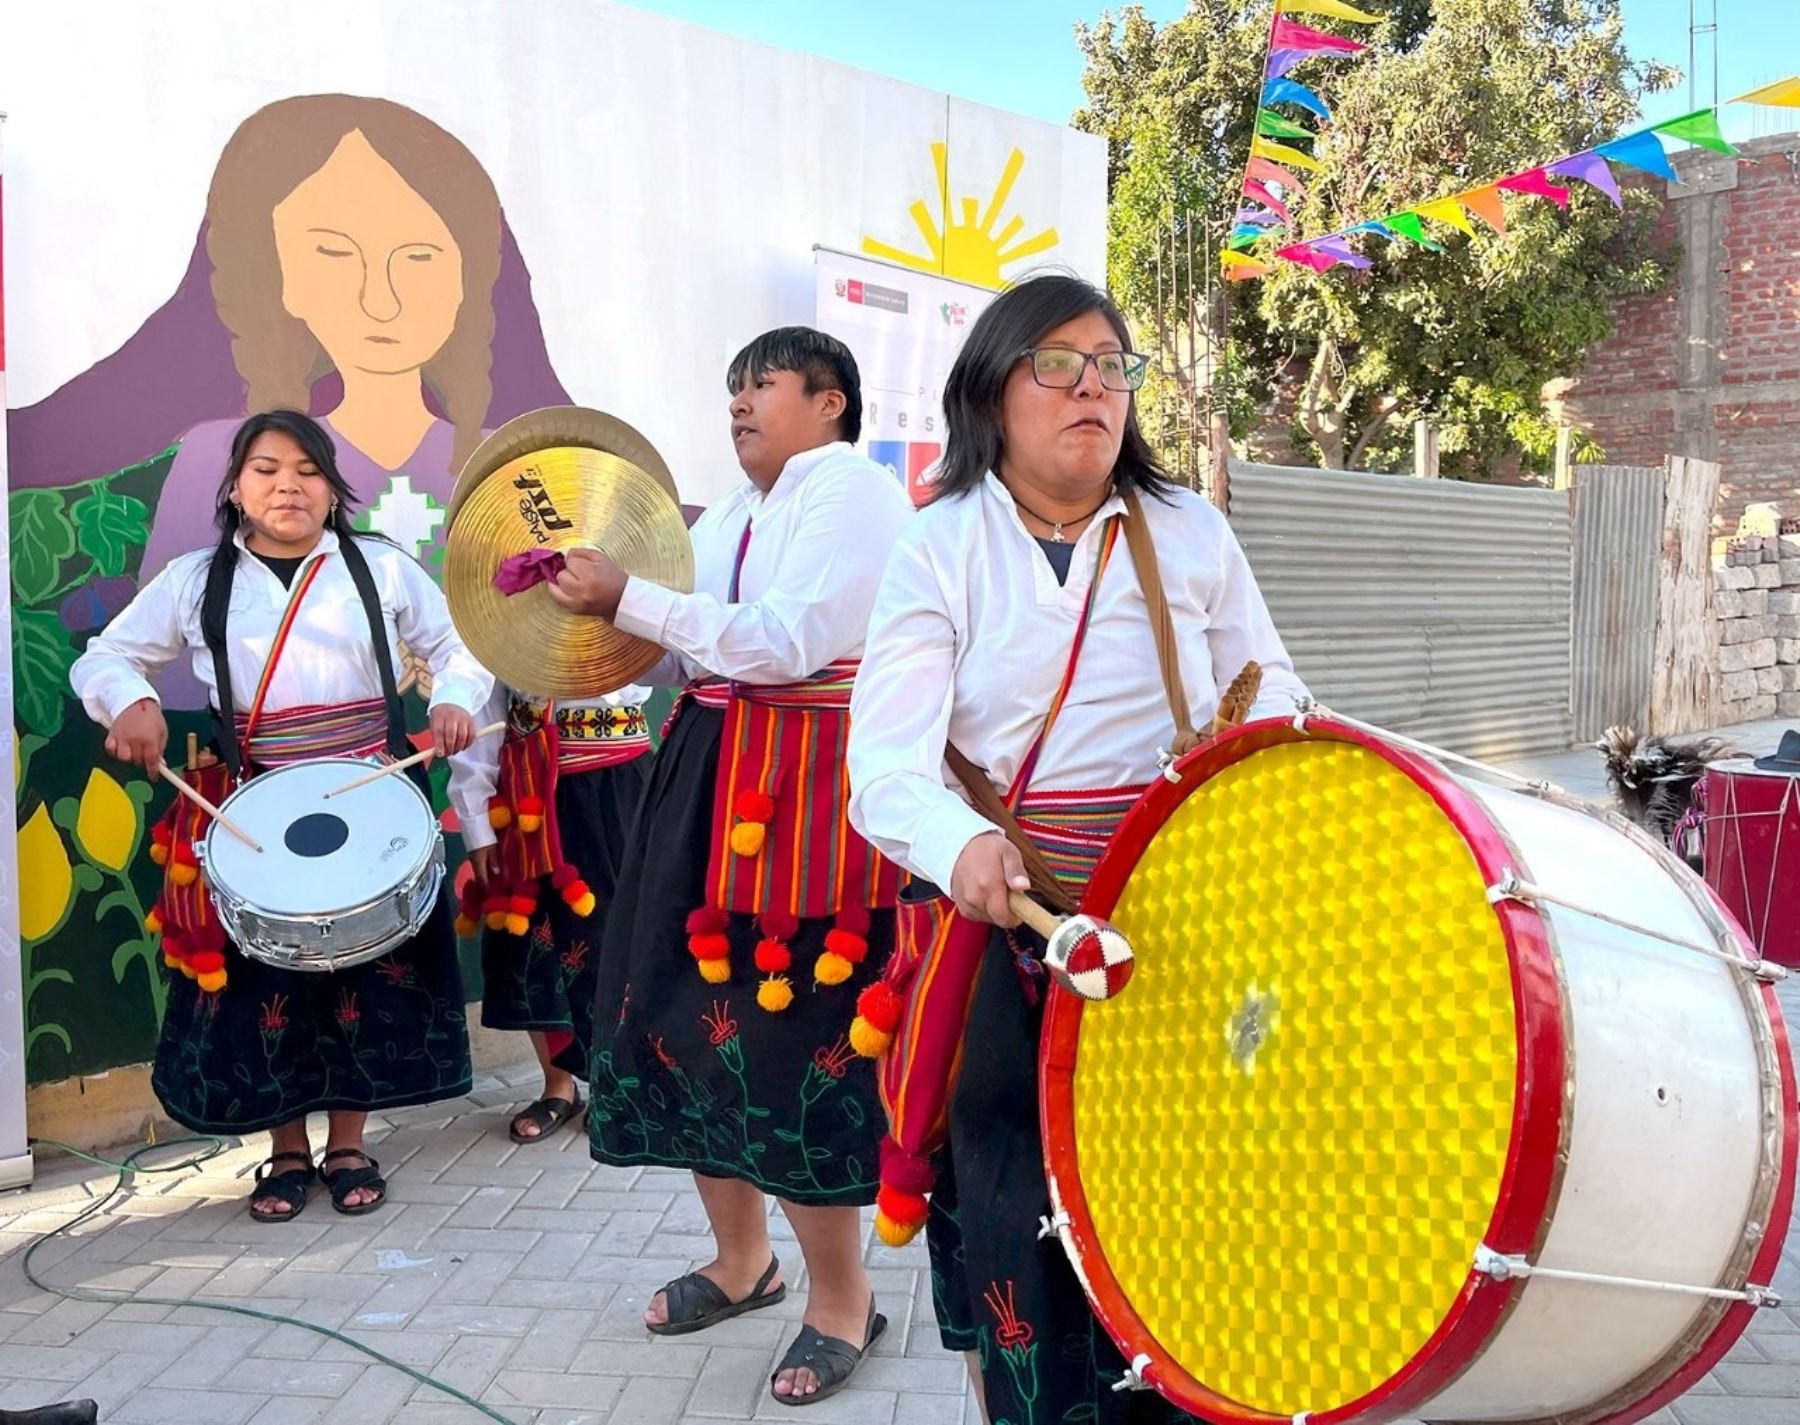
x: 343, y: 1181
x: 289, y: 1186
x: 832, y: 1361
x: 547, y: 1115
x: 696, y: 1302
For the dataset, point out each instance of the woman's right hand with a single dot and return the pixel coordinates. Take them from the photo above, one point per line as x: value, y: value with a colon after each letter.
x: 481, y: 862
x: 986, y: 872
x: 140, y: 736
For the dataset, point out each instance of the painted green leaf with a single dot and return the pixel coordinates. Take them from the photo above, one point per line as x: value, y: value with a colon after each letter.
x: 42, y: 657
x: 42, y: 538
x: 109, y: 527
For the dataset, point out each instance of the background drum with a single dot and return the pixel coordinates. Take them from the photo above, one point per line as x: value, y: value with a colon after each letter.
x: 1753, y: 852
x: 337, y: 882
x: 1400, y: 1115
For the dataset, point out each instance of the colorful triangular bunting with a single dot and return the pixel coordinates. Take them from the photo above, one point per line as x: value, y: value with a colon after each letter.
x: 1700, y: 128
x: 1290, y: 91
x: 1283, y: 153
x: 1642, y: 151
x: 1331, y: 9
x: 1447, y: 211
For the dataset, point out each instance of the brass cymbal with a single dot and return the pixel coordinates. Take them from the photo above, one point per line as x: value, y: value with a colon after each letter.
x: 560, y: 499
x: 553, y: 426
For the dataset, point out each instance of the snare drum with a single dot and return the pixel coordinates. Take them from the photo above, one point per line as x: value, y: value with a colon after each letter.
x: 1428, y: 1098
x: 337, y: 882
x: 1753, y: 852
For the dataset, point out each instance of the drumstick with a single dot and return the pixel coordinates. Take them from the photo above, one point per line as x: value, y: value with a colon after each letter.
x: 1045, y: 922
x: 1239, y: 698
x: 170, y: 776
x: 403, y: 764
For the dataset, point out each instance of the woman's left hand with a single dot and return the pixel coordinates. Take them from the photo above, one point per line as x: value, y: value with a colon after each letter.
x: 452, y: 730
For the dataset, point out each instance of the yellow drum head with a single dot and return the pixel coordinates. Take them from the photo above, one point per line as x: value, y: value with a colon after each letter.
x: 1291, y: 1133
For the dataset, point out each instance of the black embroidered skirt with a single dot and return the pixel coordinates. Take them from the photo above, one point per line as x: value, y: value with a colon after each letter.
x: 274, y: 1045
x: 545, y: 978
x: 998, y: 1290
x: 688, y: 1074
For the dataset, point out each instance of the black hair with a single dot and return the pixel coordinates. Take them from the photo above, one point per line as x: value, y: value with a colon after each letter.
x: 1015, y: 321
x: 823, y: 362
x: 316, y: 444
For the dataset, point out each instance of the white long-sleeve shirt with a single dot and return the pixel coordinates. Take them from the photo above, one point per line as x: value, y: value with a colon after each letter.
x: 481, y: 763
x: 328, y: 657
x: 969, y: 640
x: 818, y: 541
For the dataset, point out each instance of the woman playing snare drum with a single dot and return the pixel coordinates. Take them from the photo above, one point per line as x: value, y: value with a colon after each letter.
x: 291, y: 622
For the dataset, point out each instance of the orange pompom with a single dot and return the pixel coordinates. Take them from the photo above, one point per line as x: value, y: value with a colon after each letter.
x: 186, y: 968
x: 153, y: 922
x: 495, y: 920
x: 752, y: 805
x: 171, y: 959
x: 846, y: 943
x: 895, y: 1234
x: 183, y: 874
x: 516, y: 924
x: 709, y: 947
x: 159, y: 853
x: 500, y: 813
x: 714, y: 972
x: 747, y: 838
x: 466, y: 924
x: 583, y: 905
x: 831, y: 969
x: 212, y: 983
x: 867, y: 1040
x: 772, y: 957
x: 775, y: 993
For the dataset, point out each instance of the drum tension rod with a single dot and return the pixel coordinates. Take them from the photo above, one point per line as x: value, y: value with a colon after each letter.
x: 1054, y: 1225
x: 1511, y: 887
x: 1503, y: 1268
x: 1134, y: 1378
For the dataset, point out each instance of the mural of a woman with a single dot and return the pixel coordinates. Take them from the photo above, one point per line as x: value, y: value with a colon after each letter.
x: 354, y: 262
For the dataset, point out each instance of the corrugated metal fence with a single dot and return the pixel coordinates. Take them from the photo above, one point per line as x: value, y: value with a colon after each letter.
x: 1436, y: 608
x: 1618, y: 530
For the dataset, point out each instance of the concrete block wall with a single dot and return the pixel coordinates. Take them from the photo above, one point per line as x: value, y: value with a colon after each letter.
x: 1756, y: 578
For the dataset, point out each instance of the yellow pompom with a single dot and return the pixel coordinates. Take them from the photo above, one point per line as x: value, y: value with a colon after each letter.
x: 867, y: 1040
x: 775, y: 993
x: 747, y: 837
x: 170, y: 959
x: 517, y: 924
x: 831, y: 969
x: 499, y: 817
x: 159, y: 854
x: 895, y: 1234
x: 496, y: 920
x: 583, y: 906
x: 183, y: 875
x: 213, y: 982
x: 465, y: 926
x: 714, y: 972
x: 186, y: 968
x: 528, y: 822
x: 153, y: 922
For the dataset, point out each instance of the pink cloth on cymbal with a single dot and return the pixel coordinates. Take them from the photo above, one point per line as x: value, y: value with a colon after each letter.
x: 518, y: 572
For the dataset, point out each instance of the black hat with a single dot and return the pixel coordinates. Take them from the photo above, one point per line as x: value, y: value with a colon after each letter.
x: 1785, y: 758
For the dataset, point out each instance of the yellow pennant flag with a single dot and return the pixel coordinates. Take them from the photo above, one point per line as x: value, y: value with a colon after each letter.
x: 1784, y: 93
x: 1446, y: 210
x: 1486, y: 204
x: 1336, y: 9
x: 1283, y: 153
x: 1238, y: 259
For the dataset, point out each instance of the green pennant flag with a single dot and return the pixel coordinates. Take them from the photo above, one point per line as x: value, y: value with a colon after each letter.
x: 1700, y: 128
x: 1411, y: 226
x: 1270, y: 123
x: 1244, y: 240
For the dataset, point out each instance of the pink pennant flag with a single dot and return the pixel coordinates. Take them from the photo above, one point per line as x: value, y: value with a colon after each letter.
x: 1306, y: 255
x: 1253, y: 189
x: 1537, y: 183
x: 1290, y: 35
x: 1590, y: 168
x: 1268, y: 171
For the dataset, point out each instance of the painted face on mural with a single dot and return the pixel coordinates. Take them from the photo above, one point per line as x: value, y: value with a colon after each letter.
x: 282, y: 495
x: 1065, y: 441
x: 773, y: 419
x: 367, y: 264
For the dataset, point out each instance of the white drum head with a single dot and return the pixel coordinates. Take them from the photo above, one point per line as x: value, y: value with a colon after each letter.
x: 320, y: 856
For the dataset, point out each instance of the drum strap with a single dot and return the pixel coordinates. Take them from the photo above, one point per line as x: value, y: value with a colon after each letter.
x: 214, y: 608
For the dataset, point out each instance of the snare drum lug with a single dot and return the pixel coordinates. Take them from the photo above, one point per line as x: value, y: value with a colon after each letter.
x: 1134, y: 1378
x: 1053, y: 1226
x: 1508, y: 888
x: 1165, y: 763
x: 1761, y: 1296
x: 1501, y: 1268
x: 1769, y: 972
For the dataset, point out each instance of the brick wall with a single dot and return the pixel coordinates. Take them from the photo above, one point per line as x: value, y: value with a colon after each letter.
x: 1710, y: 366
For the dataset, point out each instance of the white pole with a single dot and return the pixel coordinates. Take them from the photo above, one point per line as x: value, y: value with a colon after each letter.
x: 15, y: 1157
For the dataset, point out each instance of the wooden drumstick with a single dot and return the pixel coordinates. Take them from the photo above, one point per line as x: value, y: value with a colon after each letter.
x: 1239, y: 698
x: 173, y: 778
x: 1041, y: 919
x: 404, y: 763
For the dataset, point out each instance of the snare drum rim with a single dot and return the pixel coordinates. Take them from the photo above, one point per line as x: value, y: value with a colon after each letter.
x: 1530, y: 1175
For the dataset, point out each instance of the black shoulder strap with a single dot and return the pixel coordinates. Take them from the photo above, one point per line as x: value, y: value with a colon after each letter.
x: 215, y: 605
x: 358, y: 565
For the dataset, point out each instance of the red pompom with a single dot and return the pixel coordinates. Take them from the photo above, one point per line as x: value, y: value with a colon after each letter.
x: 521, y: 905
x: 779, y: 924
x: 752, y: 805
x: 530, y: 806
x: 904, y: 1172
x: 847, y: 944
x: 709, y: 947
x: 772, y: 957
x: 707, y: 921
x: 162, y: 833
x: 881, y: 1007
x: 900, y: 1206
x: 207, y: 962
x: 853, y: 918
x: 565, y: 876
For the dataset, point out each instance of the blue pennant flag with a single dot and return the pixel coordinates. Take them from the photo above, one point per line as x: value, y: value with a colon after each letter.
x: 1643, y: 151
x: 1288, y: 91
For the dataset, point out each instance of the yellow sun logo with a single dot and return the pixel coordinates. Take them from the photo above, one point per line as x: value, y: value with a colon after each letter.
x: 970, y: 250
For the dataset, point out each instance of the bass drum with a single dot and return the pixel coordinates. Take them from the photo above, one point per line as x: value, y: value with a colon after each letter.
x: 1428, y: 1098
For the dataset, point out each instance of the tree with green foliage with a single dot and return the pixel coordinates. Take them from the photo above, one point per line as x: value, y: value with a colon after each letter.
x: 1448, y: 96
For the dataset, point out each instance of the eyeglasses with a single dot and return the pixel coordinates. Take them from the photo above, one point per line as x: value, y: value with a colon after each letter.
x: 1061, y: 368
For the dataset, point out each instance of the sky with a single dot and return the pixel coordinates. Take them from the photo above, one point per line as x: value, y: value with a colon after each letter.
x: 1021, y: 55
